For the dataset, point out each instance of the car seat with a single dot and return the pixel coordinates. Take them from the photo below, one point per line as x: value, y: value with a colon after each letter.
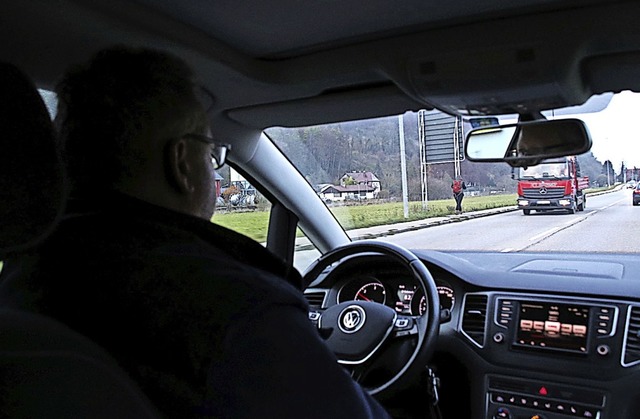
x: 46, y: 369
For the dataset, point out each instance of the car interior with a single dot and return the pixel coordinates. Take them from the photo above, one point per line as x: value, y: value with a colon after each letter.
x: 471, y: 319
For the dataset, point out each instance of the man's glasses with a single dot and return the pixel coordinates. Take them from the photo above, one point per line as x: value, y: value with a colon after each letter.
x: 218, y: 150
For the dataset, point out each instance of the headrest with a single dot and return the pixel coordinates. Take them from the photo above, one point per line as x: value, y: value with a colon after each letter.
x: 32, y: 186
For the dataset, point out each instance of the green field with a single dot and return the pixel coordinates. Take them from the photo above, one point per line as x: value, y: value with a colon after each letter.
x: 254, y: 224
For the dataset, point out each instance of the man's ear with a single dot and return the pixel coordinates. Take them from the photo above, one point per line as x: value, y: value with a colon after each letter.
x: 177, y: 166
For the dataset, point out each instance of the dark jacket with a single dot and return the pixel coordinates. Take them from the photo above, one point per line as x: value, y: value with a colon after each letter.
x: 200, y: 316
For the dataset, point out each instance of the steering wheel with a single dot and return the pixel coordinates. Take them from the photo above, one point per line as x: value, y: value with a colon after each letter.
x: 357, y: 330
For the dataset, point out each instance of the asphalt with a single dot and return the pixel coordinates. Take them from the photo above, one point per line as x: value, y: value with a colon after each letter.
x: 391, y: 229
x: 302, y: 243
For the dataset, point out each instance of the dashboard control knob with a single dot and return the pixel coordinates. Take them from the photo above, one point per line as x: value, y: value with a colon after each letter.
x: 603, y: 350
x: 498, y: 337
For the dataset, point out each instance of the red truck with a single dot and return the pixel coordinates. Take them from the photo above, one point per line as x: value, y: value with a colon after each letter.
x: 553, y: 185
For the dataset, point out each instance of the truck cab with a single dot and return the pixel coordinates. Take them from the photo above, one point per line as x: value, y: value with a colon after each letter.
x: 553, y: 185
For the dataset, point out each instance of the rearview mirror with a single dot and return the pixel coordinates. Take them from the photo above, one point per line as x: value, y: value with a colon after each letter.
x: 527, y: 143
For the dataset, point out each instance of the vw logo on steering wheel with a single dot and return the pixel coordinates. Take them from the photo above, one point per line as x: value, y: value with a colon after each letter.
x: 351, y: 319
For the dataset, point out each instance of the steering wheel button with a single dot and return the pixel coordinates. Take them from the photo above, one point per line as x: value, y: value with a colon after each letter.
x: 402, y: 323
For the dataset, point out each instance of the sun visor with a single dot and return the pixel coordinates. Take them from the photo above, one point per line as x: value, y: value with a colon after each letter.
x: 613, y: 73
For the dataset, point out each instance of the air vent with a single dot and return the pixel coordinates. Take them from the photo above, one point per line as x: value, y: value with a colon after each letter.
x: 315, y: 298
x: 631, y: 350
x: 474, y: 317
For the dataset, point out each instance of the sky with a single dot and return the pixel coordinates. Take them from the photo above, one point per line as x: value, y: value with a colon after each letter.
x: 615, y: 131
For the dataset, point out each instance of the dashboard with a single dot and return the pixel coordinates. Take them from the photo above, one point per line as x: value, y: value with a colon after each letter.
x: 536, y: 335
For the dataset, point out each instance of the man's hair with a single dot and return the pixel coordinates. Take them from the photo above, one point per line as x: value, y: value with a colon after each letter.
x: 119, y: 107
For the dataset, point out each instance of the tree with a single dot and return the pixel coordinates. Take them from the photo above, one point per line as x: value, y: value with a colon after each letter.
x: 607, y: 170
x: 590, y: 166
x: 323, y: 154
x: 349, y: 181
x: 621, y: 176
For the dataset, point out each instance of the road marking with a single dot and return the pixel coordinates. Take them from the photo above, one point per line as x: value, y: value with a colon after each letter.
x: 577, y: 219
x: 506, y: 250
x: 546, y: 233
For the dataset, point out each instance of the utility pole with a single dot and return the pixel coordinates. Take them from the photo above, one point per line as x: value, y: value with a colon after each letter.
x: 403, y: 167
x: 456, y: 147
x: 424, y: 167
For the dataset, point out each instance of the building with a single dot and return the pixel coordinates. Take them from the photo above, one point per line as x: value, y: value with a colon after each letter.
x: 353, y: 186
x: 367, y: 179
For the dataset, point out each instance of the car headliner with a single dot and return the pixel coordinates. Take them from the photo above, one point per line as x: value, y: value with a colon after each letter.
x: 294, y: 63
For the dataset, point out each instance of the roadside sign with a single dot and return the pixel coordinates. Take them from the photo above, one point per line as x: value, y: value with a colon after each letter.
x: 441, y: 133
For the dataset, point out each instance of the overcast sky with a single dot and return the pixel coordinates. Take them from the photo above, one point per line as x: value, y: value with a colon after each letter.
x: 616, y: 130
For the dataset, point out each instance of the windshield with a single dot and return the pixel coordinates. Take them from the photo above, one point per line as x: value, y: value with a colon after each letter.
x: 556, y: 170
x: 393, y: 179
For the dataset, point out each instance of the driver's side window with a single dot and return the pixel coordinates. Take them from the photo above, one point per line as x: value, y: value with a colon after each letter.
x: 240, y: 207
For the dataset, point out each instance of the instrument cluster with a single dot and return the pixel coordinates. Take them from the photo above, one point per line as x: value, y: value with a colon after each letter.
x: 402, y: 294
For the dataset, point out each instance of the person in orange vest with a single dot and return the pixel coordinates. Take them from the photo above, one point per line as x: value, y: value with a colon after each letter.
x: 458, y: 188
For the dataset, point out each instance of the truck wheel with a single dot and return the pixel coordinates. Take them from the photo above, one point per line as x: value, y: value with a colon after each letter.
x: 526, y: 212
x: 583, y: 204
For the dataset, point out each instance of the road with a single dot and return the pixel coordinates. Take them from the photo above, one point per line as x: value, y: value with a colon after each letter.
x: 608, y: 224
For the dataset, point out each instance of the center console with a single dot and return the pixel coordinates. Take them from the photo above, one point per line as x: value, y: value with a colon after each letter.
x: 544, y: 351
x: 555, y: 325
x: 509, y: 397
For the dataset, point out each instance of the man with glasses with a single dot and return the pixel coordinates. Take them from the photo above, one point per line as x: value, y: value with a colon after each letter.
x: 208, y: 322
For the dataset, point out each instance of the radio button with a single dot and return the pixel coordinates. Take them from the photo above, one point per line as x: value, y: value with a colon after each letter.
x: 498, y: 398
x: 505, y: 312
x: 579, y: 329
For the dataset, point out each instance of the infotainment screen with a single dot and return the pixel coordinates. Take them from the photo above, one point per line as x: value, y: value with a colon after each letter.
x: 553, y: 326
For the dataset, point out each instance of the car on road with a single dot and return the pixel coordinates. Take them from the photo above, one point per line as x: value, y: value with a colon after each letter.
x: 513, y: 316
x: 636, y: 195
